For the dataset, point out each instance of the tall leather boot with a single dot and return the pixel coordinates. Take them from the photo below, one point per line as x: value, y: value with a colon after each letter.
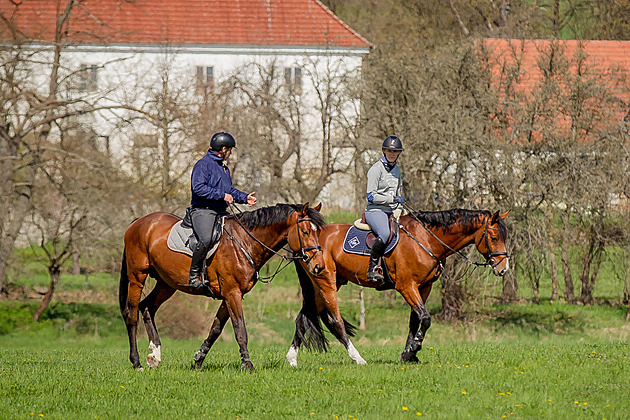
x: 378, y: 249
x: 195, y: 281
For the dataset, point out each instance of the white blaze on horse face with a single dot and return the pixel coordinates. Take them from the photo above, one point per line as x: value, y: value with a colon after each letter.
x: 155, y: 357
x: 292, y: 355
x: 313, y: 227
x: 354, y: 354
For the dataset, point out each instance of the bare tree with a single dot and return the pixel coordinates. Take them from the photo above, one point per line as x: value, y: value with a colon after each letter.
x: 301, y: 141
x: 37, y: 94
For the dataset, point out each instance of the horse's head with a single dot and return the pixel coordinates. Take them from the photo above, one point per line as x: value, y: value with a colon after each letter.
x: 303, y: 237
x: 490, y: 241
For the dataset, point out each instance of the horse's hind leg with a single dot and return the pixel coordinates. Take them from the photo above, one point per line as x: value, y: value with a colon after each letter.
x: 419, y: 322
x: 148, y: 307
x: 215, y: 331
x: 135, y: 279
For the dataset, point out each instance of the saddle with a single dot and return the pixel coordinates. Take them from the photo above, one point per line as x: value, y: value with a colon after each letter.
x: 182, y: 239
x: 360, y: 238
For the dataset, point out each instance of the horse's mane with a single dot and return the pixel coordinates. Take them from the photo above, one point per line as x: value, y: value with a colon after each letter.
x: 468, y: 218
x: 267, y: 216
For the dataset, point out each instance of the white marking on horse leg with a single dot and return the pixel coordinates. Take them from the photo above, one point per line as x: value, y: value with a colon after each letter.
x: 155, y: 357
x: 292, y: 355
x: 354, y: 354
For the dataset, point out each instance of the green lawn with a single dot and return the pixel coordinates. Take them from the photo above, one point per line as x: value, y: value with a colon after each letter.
x: 501, y: 361
x: 91, y: 378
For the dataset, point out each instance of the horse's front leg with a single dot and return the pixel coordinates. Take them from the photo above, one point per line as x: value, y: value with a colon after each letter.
x: 419, y: 322
x: 215, y: 331
x: 234, y: 300
x: 328, y: 310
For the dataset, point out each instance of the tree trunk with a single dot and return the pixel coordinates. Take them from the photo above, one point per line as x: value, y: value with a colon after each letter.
x: 452, y: 300
x: 569, y: 293
x: 554, y: 274
x: 362, y: 306
x: 54, y: 279
x: 10, y: 224
x: 76, y: 262
x: 586, y: 296
x: 510, y: 284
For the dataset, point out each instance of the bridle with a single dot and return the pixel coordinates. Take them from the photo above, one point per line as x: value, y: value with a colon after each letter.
x: 490, y: 258
x: 302, y: 254
x: 303, y: 250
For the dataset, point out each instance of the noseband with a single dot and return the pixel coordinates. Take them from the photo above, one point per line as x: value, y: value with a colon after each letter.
x: 303, y: 250
x: 490, y: 258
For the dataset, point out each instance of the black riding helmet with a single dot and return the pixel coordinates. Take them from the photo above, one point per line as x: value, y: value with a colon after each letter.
x: 222, y: 139
x: 392, y: 143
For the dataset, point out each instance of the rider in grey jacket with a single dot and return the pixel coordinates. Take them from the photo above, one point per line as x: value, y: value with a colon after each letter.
x: 384, y: 195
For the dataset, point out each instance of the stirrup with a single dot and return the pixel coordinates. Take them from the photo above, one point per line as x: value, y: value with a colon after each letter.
x: 197, y: 283
x: 374, y: 276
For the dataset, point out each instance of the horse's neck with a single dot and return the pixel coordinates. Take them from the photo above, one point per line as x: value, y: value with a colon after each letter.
x: 455, y: 237
x: 274, y: 237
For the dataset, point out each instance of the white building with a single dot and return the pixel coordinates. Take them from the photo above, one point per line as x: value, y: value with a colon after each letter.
x: 117, y: 48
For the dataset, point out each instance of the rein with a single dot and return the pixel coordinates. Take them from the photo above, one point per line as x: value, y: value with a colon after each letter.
x: 489, y: 260
x: 268, y: 279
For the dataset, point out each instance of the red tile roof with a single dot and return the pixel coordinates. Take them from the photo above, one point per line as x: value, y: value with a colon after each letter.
x: 607, y: 60
x: 607, y: 63
x: 290, y: 23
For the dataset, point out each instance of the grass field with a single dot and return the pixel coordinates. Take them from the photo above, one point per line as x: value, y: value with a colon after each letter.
x: 504, y: 361
x: 89, y: 378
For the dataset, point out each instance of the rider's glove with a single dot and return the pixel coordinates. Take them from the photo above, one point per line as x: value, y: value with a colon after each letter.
x: 399, y: 200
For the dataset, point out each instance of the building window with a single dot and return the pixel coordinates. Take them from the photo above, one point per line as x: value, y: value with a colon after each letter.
x: 88, y: 77
x: 293, y: 79
x: 205, y: 77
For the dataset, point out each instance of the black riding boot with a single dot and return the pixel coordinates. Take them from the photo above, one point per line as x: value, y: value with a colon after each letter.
x: 195, y: 281
x: 378, y: 249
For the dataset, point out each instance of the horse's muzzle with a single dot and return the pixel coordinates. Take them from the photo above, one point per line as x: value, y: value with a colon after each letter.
x: 500, y: 269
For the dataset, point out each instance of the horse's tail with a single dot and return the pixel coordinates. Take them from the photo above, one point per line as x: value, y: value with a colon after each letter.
x: 123, y: 288
x: 308, y: 328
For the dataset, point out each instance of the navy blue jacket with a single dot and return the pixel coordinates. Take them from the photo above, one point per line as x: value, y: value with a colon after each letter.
x: 210, y: 181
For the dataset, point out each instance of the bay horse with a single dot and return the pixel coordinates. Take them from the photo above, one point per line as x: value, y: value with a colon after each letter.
x: 251, y: 239
x: 426, y: 240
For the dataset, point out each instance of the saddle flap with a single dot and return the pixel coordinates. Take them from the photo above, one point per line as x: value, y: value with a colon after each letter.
x: 182, y: 239
x: 358, y: 241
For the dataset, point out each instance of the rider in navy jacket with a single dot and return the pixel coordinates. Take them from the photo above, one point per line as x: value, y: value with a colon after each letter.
x: 210, y: 181
x: 212, y: 192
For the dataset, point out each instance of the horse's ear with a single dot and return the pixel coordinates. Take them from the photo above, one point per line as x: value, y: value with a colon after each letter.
x: 318, y: 207
x: 305, y: 209
x: 504, y: 215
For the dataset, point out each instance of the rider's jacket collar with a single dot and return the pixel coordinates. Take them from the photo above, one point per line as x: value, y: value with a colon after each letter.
x: 388, y: 166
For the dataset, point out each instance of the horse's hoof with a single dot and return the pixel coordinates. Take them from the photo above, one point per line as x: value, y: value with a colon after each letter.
x: 409, y: 357
x: 248, y: 366
x: 152, y: 362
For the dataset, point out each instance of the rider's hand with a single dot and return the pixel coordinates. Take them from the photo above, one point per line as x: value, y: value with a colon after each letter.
x: 251, y: 200
x: 399, y: 200
x: 228, y: 198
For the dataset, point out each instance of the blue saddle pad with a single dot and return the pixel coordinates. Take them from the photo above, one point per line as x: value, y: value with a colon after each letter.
x: 354, y: 242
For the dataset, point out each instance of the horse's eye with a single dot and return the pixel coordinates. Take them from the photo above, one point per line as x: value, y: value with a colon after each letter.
x: 494, y: 239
